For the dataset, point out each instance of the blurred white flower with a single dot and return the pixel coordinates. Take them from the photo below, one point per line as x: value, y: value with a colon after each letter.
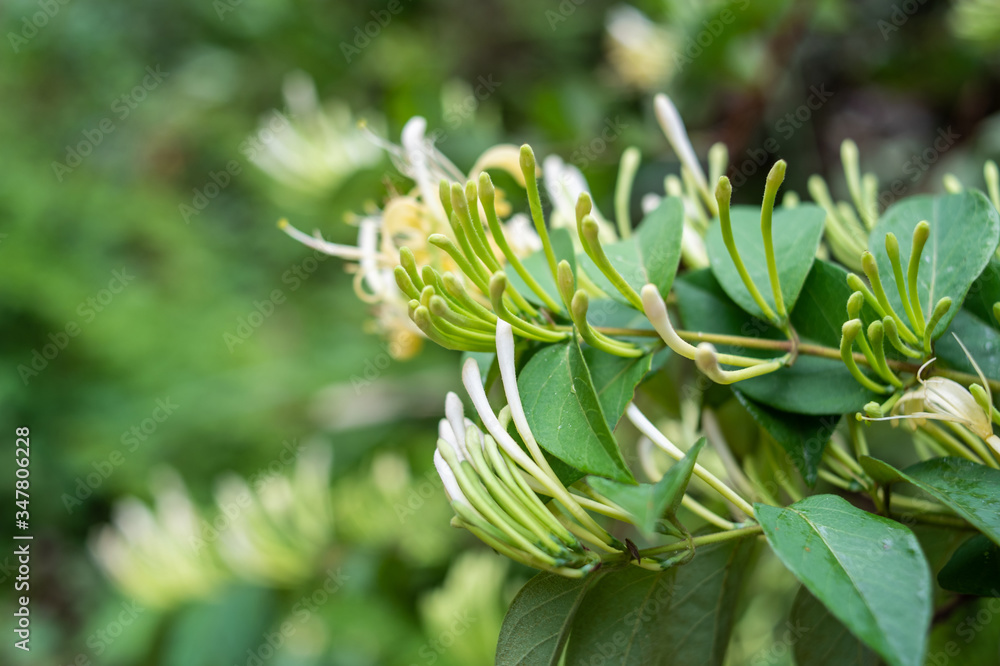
x: 641, y: 52
x: 279, y: 530
x: 148, y: 553
x: 468, y: 607
x: 315, y: 150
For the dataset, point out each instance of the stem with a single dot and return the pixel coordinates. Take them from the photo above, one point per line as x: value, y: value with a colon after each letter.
x: 806, y: 348
x: 738, y: 533
x: 646, y: 427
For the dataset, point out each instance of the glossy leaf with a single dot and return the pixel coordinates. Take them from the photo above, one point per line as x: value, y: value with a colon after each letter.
x: 565, y: 414
x: 867, y: 570
x: 973, y: 569
x: 683, y: 615
x: 647, y: 503
x: 802, y: 437
x: 615, y: 379
x: 650, y: 256
x: 819, y: 639
x: 984, y: 293
x: 539, y: 620
x: 796, y: 233
x: 965, y: 229
x: 969, y: 489
x: 979, y: 337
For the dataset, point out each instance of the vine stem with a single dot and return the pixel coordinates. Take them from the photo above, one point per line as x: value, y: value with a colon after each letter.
x: 802, y: 348
x: 738, y: 533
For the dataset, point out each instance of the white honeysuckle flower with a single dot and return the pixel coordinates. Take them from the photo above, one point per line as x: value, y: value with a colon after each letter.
x: 492, y: 487
x: 943, y: 399
x: 408, y: 220
x: 642, y: 53
x: 278, y: 530
x: 451, y: 487
x: 317, y: 148
x: 564, y: 184
x: 148, y: 554
x: 673, y: 126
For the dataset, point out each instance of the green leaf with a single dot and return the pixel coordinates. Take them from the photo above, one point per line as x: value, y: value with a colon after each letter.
x: 615, y: 379
x: 813, y: 385
x: 969, y: 489
x: 963, y: 638
x: 981, y: 338
x: 539, y: 620
x: 984, y: 293
x: 819, y: 639
x: 565, y: 414
x: 683, y: 615
x: 650, y: 256
x: 802, y: 437
x: 538, y: 266
x: 973, y: 569
x: 648, y: 503
x: 796, y: 232
x: 867, y: 570
x: 965, y: 229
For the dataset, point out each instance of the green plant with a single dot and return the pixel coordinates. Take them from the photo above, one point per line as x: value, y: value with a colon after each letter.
x: 798, y: 359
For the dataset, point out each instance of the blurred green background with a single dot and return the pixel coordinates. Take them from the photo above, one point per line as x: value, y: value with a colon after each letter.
x: 123, y: 271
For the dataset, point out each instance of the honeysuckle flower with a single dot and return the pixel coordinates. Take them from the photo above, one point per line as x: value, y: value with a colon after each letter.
x: 315, y: 149
x: 974, y: 20
x: 641, y: 52
x: 943, y: 399
x: 146, y: 552
x: 473, y: 593
x: 673, y: 126
x: 278, y: 529
x: 409, y: 220
x: 387, y: 507
x: 491, y: 481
